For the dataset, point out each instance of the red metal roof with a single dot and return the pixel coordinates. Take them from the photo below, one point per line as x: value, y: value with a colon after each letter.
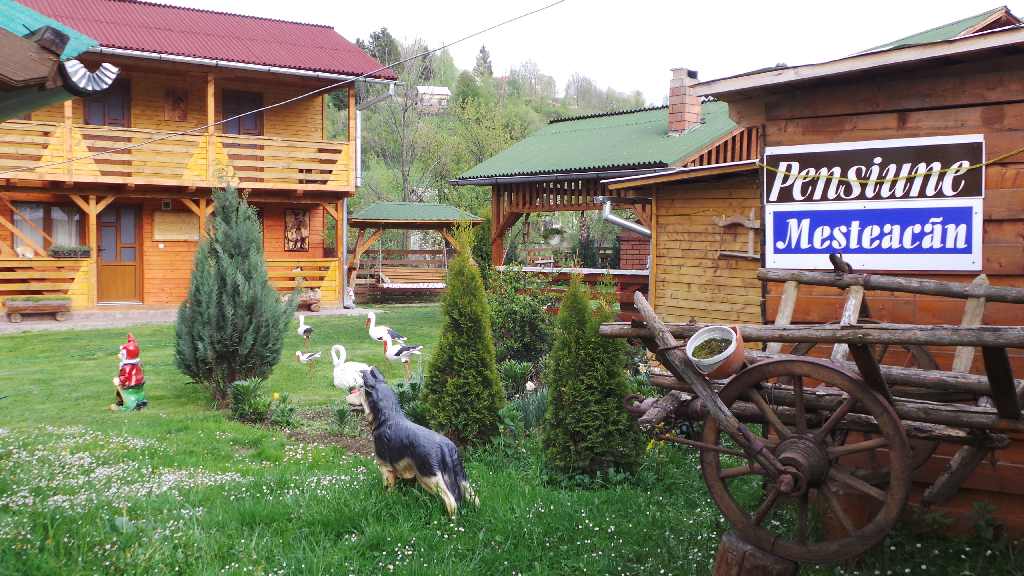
x: 164, y: 29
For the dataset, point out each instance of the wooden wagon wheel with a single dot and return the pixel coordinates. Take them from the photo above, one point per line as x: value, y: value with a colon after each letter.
x: 917, y: 357
x: 811, y: 453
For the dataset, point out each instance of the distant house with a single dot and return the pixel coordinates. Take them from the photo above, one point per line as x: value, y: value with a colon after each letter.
x: 433, y: 99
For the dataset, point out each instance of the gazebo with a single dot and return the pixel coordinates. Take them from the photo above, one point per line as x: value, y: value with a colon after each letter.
x: 405, y: 273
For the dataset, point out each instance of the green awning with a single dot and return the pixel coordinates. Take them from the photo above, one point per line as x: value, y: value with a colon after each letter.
x: 415, y: 213
x: 21, y: 20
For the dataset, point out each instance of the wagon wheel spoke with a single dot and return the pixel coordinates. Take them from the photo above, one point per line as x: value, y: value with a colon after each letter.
x: 837, y: 510
x: 738, y: 471
x: 835, y: 452
x: 835, y: 418
x: 801, y: 518
x: 845, y: 478
x: 766, y: 506
x: 769, y: 414
x: 798, y: 404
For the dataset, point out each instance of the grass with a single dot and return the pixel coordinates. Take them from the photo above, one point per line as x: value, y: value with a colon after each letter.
x: 181, y: 489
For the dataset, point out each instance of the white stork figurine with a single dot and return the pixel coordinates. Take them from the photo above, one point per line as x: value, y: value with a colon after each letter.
x: 378, y: 333
x: 306, y: 357
x: 398, y: 352
x: 347, y: 375
x: 305, y: 330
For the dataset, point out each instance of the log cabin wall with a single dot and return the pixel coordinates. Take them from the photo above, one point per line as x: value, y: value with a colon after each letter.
x: 962, y: 98
x: 691, y: 278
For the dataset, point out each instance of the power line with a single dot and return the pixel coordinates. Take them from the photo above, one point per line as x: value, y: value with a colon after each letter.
x: 284, y: 102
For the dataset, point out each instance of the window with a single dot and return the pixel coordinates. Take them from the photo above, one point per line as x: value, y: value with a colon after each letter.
x: 112, y: 107
x: 62, y: 223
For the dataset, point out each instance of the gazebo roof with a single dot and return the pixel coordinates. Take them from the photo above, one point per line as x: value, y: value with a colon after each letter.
x: 411, y: 215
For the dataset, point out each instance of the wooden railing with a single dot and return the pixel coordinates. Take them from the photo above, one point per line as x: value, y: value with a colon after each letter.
x: 174, y: 160
x: 394, y: 258
x: 320, y: 273
x: 46, y: 276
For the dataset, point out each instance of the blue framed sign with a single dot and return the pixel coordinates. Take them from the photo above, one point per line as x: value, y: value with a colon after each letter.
x: 902, y: 204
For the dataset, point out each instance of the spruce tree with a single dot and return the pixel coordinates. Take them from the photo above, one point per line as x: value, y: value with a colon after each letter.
x: 462, y: 393
x: 587, y: 430
x: 232, y: 324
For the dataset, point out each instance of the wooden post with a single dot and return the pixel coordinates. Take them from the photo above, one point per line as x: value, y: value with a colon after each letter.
x: 497, y: 237
x: 202, y: 217
x: 211, y: 132
x: 339, y: 234
x: 737, y: 558
x: 94, y: 253
x: 352, y: 133
x: 69, y: 145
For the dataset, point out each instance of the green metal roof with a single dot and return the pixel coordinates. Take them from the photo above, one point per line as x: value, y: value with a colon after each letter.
x: 939, y: 33
x: 413, y: 212
x: 621, y: 140
x: 21, y: 20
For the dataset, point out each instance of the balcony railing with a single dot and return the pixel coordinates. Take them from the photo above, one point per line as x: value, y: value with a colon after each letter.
x: 192, y: 160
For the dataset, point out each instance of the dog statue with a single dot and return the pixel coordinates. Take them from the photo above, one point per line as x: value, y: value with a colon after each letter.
x: 407, y: 450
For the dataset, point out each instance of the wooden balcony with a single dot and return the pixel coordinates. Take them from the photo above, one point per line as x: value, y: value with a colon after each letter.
x: 191, y: 161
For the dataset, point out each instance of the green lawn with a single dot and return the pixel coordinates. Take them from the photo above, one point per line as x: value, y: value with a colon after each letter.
x: 181, y: 489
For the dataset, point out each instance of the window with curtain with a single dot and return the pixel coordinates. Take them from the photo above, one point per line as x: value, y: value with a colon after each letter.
x: 63, y: 223
x: 29, y: 214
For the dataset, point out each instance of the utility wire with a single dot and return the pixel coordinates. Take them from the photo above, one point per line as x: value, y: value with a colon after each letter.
x: 284, y: 102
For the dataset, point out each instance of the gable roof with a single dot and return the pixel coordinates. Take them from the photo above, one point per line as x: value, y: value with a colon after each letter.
x: 631, y: 139
x: 994, y: 30
x: 417, y: 212
x: 951, y: 30
x: 191, y: 32
x: 20, y: 20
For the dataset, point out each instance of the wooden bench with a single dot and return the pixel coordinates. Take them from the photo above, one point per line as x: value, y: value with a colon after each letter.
x: 426, y: 277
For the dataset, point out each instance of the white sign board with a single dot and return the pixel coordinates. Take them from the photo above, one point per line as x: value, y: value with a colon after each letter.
x: 902, y: 204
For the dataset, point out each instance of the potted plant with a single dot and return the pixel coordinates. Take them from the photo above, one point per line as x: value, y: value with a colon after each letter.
x: 716, y: 351
x: 68, y: 251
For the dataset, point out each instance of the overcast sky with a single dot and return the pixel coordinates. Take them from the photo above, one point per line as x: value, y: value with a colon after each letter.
x: 629, y: 45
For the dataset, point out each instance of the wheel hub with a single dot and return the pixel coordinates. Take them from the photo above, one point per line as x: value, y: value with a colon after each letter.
x: 803, y: 454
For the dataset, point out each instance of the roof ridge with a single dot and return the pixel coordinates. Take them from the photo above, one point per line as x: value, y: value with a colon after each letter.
x: 896, y: 43
x: 604, y: 114
x: 222, y: 13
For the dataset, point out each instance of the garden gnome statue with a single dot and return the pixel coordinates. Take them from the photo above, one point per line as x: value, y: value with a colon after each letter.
x: 129, y: 380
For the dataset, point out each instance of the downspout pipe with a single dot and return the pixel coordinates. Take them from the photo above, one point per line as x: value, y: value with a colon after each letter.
x: 606, y: 214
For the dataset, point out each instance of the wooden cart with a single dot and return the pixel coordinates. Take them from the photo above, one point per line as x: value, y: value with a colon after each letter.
x: 835, y: 425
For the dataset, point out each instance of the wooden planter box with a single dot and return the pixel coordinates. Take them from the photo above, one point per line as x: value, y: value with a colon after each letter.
x: 16, y: 308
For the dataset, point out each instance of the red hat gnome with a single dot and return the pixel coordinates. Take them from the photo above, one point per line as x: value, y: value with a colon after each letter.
x: 130, y: 379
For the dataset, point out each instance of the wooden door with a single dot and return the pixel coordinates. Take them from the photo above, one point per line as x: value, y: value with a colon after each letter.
x: 235, y: 102
x: 120, y: 251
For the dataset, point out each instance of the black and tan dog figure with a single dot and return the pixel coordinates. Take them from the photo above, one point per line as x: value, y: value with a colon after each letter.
x: 407, y: 450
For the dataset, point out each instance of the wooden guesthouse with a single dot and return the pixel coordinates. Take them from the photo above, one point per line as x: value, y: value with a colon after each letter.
x: 146, y: 155
x: 904, y: 135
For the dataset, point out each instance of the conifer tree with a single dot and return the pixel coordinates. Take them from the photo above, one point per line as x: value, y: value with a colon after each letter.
x: 232, y: 324
x: 462, y: 392
x: 586, y: 430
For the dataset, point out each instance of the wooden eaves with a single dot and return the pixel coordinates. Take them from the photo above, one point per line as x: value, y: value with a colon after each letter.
x: 683, y: 174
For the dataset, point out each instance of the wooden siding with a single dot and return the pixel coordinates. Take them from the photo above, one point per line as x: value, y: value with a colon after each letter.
x: 963, y: 98
x: 691, y: 279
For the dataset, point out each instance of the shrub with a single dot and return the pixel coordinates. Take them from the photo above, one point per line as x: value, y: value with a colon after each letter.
x: 587, y: 431
x: 482, y: 249
x: 520, y: 322
x: 249, y: 400
x: 533, y: 406
x: 232, y: 324
x: 409, y: 398
x: 67, y: 251
x: 513, y: 375
x: 462, y: 394
x: 282, y: 411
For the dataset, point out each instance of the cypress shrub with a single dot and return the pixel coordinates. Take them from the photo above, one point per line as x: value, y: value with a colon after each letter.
x: 587, y: 431
x: 232, y: 324
x: 462, y: 394
x: 482, y: 249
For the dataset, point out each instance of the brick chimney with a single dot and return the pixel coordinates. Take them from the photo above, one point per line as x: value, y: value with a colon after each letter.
x: 683, y: 103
